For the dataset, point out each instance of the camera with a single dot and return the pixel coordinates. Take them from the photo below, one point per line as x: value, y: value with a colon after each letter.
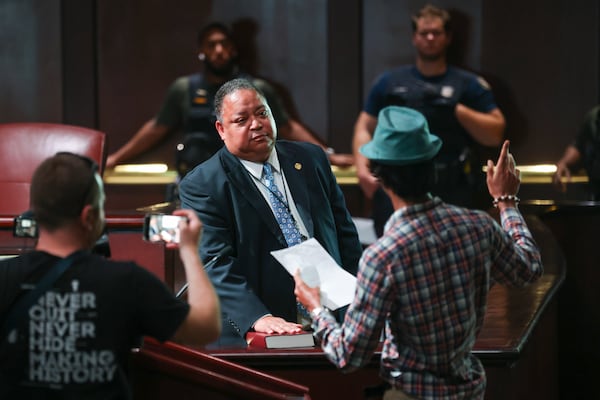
x: 162, y: 228
x: 25, y: 226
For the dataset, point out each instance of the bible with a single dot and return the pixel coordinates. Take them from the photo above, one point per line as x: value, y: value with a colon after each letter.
x: 280, y: 340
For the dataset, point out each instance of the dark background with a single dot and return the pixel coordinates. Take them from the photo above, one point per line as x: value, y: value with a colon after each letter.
x: 106, y: 64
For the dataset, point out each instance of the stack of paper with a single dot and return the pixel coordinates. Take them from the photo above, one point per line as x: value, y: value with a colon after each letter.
x: 318, y: 268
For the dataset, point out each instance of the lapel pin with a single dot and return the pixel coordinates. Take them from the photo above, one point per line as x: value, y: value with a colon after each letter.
x: 298, y: 166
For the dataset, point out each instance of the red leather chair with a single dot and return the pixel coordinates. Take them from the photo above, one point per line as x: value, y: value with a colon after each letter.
x: 23, y: 146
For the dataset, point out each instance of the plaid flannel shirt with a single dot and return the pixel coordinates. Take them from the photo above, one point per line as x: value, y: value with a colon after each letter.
x: 426, y: 282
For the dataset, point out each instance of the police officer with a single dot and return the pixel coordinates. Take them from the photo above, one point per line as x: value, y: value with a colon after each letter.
x: 458, y: 105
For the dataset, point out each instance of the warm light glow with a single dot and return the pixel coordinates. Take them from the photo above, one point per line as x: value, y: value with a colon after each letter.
x: 538, y: 169
x: 542, y: 169
x: 141, y: 168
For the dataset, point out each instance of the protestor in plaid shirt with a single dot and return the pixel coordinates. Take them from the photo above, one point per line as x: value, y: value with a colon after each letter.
x: 426, y: 280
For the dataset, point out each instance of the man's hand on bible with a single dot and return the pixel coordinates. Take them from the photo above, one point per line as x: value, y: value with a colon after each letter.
x: 271, y: 324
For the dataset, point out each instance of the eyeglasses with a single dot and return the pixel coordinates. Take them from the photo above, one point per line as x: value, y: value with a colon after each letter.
x: 93, y: 168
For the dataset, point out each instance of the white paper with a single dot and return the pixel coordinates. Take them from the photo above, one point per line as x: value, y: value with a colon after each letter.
x: 366, y: 230
x: 318, y: 268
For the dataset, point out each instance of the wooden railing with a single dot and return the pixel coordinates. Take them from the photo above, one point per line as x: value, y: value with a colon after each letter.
x: 161, y: 371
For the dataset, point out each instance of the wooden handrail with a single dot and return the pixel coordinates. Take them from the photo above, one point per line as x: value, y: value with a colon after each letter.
x: 197, y: 368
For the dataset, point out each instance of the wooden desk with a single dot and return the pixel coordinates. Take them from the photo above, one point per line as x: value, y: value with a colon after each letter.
x: 517, y: 347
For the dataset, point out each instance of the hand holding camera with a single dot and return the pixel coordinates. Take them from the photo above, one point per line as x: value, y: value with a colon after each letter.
x: 181, y: 228
x: 25, y: 226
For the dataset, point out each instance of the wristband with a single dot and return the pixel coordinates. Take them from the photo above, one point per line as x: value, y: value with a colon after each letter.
x: 329, y: 151
x: 505, y: 197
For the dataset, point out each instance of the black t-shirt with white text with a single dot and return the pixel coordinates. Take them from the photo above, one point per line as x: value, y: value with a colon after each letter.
x: 77, y: 336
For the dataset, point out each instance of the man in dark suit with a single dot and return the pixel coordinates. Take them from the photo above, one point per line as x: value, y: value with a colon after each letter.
x: 230, y: 194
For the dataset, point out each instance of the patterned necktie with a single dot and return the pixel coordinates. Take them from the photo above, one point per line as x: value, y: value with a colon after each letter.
x: 287, y: 224
x: 280, y: 208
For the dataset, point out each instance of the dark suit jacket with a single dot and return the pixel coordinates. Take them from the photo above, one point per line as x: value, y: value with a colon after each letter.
x: 240, y: 231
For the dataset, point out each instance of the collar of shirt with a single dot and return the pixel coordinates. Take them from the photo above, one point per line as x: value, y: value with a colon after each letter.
x: 255, y: 168
x: 415, y: 208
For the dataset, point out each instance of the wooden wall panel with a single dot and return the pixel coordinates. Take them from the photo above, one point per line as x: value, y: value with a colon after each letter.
x: 285, y: 43
x: 544, y: 57
x: 143, y: 45
x: 107, y: 65
x: 344, y: 66
x: 80, y: 72
x: 540, y: 57
x: 30, y: 61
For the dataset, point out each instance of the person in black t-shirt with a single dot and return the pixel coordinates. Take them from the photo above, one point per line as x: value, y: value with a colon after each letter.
x: 73, y: 340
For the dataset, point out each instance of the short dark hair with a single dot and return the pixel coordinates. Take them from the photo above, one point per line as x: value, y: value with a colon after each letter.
x: 230, y: 87
x: 213, y: 26
x: 410, y: 182
x: 60, y: 187
x: 430, y: 11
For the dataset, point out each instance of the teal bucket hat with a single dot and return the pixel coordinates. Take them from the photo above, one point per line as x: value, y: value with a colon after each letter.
x: 401, y: 137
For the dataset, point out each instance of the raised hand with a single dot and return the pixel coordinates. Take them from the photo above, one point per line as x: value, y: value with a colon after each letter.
x: 503, y: 179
